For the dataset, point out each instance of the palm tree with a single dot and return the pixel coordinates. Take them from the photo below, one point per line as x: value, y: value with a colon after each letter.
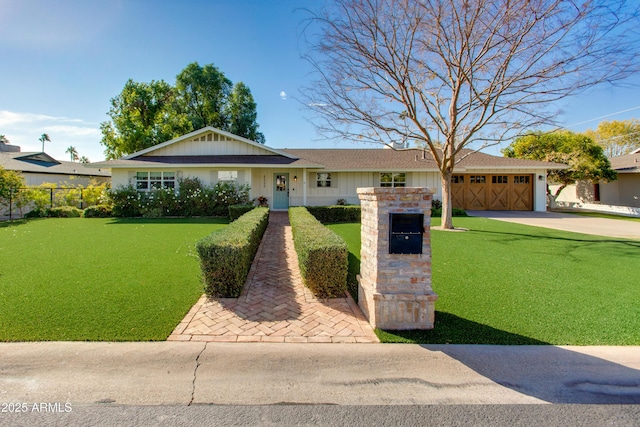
x: 73, y: 153
x: 44, y: 137
x: 84, y: 159
x: 4, y: 139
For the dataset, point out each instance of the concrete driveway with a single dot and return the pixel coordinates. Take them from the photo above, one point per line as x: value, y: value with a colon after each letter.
x: 567, y: 222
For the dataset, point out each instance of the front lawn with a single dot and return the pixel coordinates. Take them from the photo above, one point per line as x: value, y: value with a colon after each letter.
x: 98, y: 279
x: 503, y: 283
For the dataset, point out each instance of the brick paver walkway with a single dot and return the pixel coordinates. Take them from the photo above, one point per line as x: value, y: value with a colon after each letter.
x: 274, y: 305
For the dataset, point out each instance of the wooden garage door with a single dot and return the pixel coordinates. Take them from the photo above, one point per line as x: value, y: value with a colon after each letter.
x: 492, y: 192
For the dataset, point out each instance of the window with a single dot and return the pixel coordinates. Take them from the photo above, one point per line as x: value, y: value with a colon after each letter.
x: 228, y: 176
x: 146, y: 181
x: 457, y: 179
x: 499, y: 179
x: 323, y: 179
x: 395, y: 179
x: 521, y: 179
x: 478, y: 179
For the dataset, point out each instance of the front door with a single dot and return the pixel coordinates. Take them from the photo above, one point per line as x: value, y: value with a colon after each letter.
x: 281, y: 191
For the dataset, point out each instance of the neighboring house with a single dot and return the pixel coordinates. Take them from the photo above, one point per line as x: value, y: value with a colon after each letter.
x: 37, y: 168
x: 625, y: 191
x: 307, y: 177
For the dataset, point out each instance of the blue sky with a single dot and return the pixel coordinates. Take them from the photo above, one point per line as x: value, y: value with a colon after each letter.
x: 62, y: 61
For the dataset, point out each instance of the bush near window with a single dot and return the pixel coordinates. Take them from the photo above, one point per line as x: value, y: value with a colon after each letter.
x: 226, y: 254
x: 322, y: 254
x: 335, y: 214
x: 192, y: 199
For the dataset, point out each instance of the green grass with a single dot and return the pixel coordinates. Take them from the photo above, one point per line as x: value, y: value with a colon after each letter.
x: 98, y: 279
x: 503, y: 283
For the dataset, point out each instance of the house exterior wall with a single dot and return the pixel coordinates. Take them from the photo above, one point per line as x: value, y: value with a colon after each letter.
x: 625, y: 191
x: 202, y: 146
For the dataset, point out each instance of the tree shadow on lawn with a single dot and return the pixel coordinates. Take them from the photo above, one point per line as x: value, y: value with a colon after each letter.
x: 170, y: 220
x: 17, y: 222
x: 452, y: 329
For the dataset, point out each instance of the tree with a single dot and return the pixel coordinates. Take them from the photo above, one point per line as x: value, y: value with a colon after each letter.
x: 10, y: 182
x: 146, y: 114
x: 84, y: 160
x: 202, y: 94
x: 617, y: 137
x: 44, y: 137
x: 73, y: 153
x: 586, y: 159
x: 4, y: 140
x: 242, y: 113
x: 142, y: 115
x: 467, y: 73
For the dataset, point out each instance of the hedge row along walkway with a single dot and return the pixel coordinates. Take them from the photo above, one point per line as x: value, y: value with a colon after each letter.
x: 274, y: 305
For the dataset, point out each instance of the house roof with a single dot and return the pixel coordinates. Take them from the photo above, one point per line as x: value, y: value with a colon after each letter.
x: 629, y: 163
x: 386, y: 159
x: 376, y: 159
x: 43, y: 163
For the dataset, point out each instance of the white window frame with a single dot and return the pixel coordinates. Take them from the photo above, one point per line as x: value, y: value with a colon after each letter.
x: 232, y: 173
x: 323, y: 180
x: 395, y: 182
x: 150, y: 180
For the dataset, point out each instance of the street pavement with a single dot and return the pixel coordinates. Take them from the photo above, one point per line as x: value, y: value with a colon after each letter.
x: 189, y: 373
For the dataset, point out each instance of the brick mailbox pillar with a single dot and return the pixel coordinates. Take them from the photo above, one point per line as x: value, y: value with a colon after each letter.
x: 394, y: 285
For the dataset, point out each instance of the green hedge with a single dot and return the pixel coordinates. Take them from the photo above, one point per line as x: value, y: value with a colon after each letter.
x: 226, y: 255
x: 98, y: 211
x: 236, y: 211
x: 437, y: 213
x: 64, y: 212
x: 335, y: 214
x: 322, y: 254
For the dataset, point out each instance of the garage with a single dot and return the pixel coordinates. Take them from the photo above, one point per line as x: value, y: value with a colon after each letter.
x: 504, y: 192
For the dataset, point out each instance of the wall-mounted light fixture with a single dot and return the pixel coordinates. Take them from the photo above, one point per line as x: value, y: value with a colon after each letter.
x: 540, y: 177
x: 295, y: 178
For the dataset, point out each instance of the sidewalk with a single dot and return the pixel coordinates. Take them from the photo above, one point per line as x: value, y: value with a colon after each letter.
x: 184, y: 373
x: 275, y: 306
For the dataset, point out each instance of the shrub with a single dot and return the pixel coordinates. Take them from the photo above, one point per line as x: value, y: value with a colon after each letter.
x: 98, y: 211
x: 236, y: 211
x: 436, y: 204
x: 335, y: 214
x: 126, y: 201
x: 436, y: 213
x: 322, y: 254
x: 226, y: 255
x: 64, y: 212
x: 36, y: 213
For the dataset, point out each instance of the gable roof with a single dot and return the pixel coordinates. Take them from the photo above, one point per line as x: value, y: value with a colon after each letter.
x: 629, y: 163
x: 43, y: 163
x: 196, y: 133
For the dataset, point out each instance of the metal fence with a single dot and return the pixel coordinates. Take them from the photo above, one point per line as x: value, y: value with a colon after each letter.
x: 23, y: 200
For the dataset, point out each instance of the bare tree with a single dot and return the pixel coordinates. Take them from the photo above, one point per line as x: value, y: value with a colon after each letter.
x: 465, y: 73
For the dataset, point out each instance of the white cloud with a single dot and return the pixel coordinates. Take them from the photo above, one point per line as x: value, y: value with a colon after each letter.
x: 24, y: 129
x: 283, y: 95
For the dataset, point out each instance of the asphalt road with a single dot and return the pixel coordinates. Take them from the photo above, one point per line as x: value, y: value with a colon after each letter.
x: 331, y: 415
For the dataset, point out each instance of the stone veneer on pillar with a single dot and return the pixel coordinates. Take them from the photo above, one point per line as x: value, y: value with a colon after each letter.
x: 394, y: 290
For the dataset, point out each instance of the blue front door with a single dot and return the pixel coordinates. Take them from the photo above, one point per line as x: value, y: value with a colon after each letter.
x: 281, y: 191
